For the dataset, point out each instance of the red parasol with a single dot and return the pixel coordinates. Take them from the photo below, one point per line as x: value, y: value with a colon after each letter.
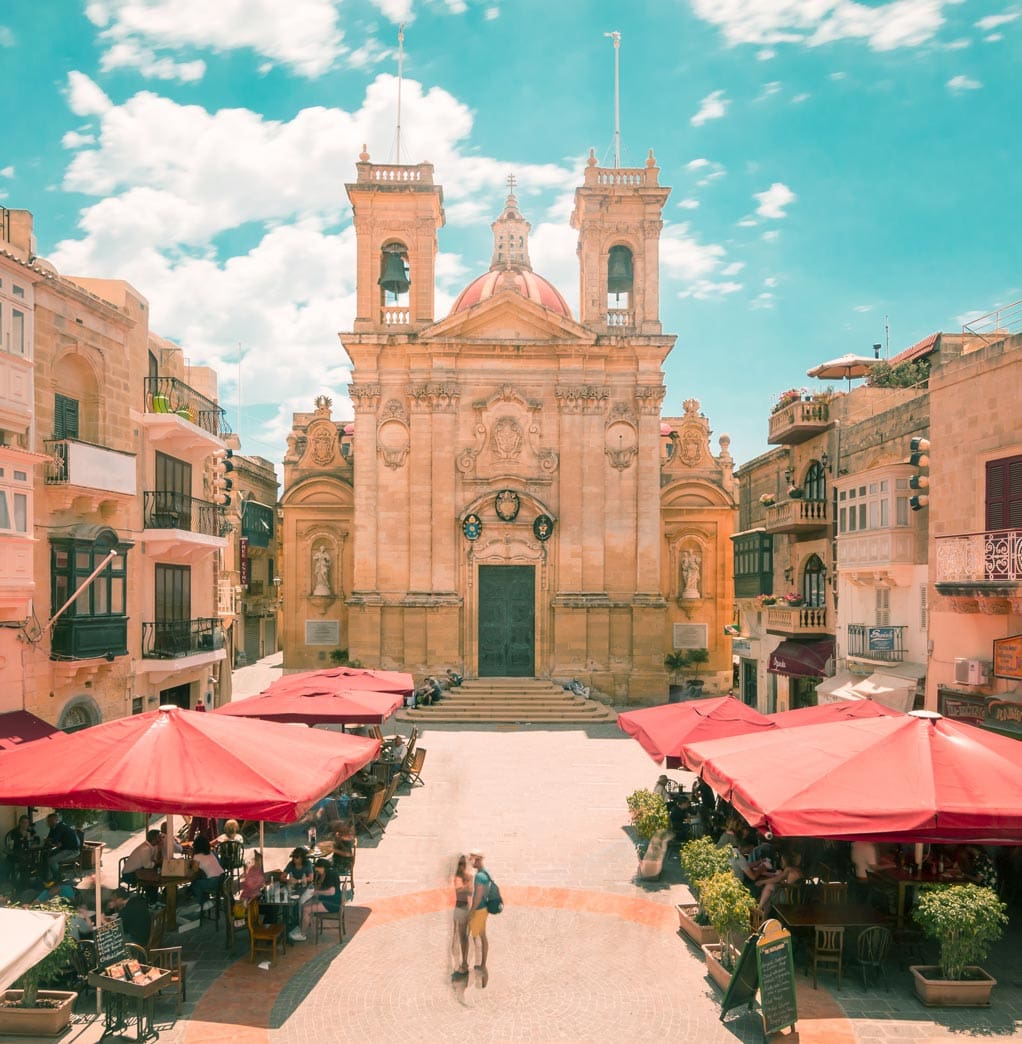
x: 663, y: 730
x: 845, y: 710
x: 342, y: 707
x: 333, y: 679
x: 907, y: 777
x: 171, y: 760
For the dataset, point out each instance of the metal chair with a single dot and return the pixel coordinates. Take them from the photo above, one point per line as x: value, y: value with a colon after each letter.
x: 871, y: 952
x: 826, y: 951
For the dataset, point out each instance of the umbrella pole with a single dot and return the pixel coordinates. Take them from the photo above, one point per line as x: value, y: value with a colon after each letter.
x: 262, y: 841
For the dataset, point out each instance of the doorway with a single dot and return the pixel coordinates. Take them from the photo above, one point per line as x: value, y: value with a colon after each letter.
x: 507, y: 621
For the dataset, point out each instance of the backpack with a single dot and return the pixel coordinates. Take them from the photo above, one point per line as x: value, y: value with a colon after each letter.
x: 494, y: 903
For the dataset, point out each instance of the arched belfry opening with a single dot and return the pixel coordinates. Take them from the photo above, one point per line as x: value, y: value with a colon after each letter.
x: 620, y: 277
x: 394, y: 281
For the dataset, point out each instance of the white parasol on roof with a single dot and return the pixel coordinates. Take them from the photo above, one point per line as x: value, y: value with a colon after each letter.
x: 848, y: 367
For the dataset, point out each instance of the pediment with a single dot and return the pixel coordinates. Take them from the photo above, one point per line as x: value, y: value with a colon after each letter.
x: 507, y: 316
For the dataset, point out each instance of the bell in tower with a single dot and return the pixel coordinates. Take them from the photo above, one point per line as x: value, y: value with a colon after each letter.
x: 619, y: 271
x: 394, y: 279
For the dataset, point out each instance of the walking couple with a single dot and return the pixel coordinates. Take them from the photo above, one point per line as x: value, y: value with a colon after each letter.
x: 471, y: 891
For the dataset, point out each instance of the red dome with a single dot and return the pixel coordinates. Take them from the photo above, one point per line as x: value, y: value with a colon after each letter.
x: 519, y: 281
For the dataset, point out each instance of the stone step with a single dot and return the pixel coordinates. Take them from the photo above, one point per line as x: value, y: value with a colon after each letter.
x: 439, y: 716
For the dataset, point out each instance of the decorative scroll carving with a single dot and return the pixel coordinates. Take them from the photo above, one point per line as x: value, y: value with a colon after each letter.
x: 507, y: 438
x: 582, y: 399
x: 621, y: 443
x: 648, y: 399
x: 364, y: 397
x: 436, y: 398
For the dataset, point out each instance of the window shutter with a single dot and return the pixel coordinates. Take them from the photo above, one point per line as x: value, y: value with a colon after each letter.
x: 883, y: 606
x: 922, y: 607
x: 1004, y: 493
x: 65, y: 417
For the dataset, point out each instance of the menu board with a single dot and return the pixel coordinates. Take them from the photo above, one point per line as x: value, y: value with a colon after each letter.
x: 776, y: 982
x: 110, y: 943
x: 744, y: 979
x: 1008, y: 657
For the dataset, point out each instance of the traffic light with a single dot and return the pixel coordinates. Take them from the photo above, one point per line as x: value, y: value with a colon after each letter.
x: 920, y: 481
x: 222, y: 485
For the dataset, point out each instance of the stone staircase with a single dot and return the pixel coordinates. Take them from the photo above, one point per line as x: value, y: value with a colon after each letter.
x: 510, y: 700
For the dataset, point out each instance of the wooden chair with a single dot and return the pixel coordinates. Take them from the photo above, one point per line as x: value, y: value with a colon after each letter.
x: 328, y: 917
x: 826, y: 951
x: 157, y: 927
x: 233, y: 923
x: 261, y: 936
x: 414, y: 773
x: 871, y: 952
x: 392, y: 792
x: 371, y: 817
x: 756, y: 918
x: 832, y: 893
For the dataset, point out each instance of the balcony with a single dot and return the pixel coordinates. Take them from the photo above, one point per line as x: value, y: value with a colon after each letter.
x: 796, y: 620
x: 227, y: 588
x: 798, y: 422
x: 181, y: 417
x: 981, y: 571
x: 873, y: 549
x: 89, y: 467
x: 181, y: 525
x: 174, y: 639
x: 799, y: 517
x: 876, y: 644
x: 88, y: 637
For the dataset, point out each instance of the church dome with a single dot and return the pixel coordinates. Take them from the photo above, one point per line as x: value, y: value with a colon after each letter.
x: 519, y: 280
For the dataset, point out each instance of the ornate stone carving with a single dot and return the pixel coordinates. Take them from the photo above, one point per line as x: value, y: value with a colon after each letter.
x: 588, y: 398
x: 436, y: 398
x: 323, y: 443
x: 506, y: 438
x: 648, y: 398
x: 321, y: 562
x: 393, y: 409
x: 323, y: 404
x: 621, y: 443
x: 364, y: 397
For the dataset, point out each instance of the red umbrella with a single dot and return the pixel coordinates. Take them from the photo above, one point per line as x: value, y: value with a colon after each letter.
x: 910, y: 777
x: 333, y: 679
x: 171, y: 760
x: 845, y: 710
x: 342, y: 707
x: 663, y: 730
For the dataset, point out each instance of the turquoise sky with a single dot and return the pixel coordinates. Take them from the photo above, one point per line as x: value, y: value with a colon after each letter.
x: 832, y: 163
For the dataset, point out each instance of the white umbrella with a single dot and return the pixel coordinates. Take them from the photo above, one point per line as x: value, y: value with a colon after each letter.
x: 847, y: 367
x: 26, y: 937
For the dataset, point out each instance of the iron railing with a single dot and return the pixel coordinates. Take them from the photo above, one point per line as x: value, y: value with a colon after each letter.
x: 163, y: 509
x: 169, y: 395
x: 169, y: 639
x: 877, y: 643
x: 995, y: 555
x: 995, y: 325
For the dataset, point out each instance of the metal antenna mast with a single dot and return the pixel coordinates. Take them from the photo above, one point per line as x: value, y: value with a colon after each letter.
x: 400, y: 73
x: 616, y: 37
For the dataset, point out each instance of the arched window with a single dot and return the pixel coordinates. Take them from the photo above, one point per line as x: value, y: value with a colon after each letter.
x: 816, y: 482
x: 620, y: 277
x: 814, y: 583
x: 394, y: 279
x: 79, y: 713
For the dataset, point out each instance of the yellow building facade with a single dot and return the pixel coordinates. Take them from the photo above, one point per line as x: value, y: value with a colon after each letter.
x: 508, y: 500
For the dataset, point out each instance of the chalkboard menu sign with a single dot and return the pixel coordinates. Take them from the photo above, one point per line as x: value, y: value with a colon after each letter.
x: 110, y: 943
x: 744, y: 979
x: 776, y: 979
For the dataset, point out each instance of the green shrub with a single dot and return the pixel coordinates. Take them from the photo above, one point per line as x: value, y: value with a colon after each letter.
x: 905, y: 375
x: 648, y: 812
x: 701, y: 859
x: 55, y: 961
x: 727, y: 903
x: 965, y: 920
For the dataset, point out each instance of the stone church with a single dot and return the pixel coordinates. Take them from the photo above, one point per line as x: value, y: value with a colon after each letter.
x: 509, y: 500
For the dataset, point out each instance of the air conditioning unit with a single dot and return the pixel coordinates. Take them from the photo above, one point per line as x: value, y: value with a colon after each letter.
x: 970, y: 672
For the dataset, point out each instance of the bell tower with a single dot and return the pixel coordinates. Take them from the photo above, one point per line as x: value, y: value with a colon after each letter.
x: 618, y: 217
x: 510, y: 234
x: 397, y: 211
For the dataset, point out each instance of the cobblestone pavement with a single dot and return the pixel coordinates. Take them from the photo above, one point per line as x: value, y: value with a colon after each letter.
x: 582, y: 952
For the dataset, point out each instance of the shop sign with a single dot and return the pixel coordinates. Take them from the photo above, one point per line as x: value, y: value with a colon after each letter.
x: 1004, y: 716
x: 1008, y: 657
x: 243, y: 569
x: 880, y: 639
x: 741, y: 647
x: 962, y: 707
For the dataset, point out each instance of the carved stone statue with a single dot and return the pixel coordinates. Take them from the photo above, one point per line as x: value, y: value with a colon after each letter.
x: 691, y: 571
x: 321, y: 571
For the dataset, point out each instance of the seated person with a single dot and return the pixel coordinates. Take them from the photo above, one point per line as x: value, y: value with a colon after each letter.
x: 326, y: 898
x: 749, y: 873
x: 22, y: 847
x: 977, y: 865
x: 56, y: 888
x: 133, y: 913
x: 299, y: 871
x: 208, y: 871
x: 454, y: 679
x: 82, y: 925
x: 663, y: 787
x: 232, y: 832
x: 145, y: 856
x: 177, y: 849
x: 730, y: 834
x: 345, y: 840
x: 789, y: 873
x: 865, y: 857
x: 253, y: 879
x: 62, y: 845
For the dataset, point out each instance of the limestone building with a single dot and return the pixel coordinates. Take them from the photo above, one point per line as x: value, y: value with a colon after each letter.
x: 508, y: 500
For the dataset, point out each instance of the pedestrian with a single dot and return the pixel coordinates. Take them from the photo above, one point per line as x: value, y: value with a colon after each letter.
x: 62, y: 846
x: 200, y: 706
x: 477, y: 919
x: 463, y: 891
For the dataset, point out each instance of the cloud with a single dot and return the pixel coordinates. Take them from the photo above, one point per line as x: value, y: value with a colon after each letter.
x: 768, y: 89
x: 84, y: 97
x: 396, y: 11
x: 762, y: 300
x: 303, y: 35
x: 697, y: 164
x: 6, y: 37
x: 696, y: 268
x: 491, y: 13
x: 836, y: 76
x: 77, y: 139
x: 688, y: 204
x: 769, y: 237
x: 799, y: 98
x: 863, y: 308
x: 7, y: 172
x: 771, y: 281
x: 960, y: 83
x: 130, y: 54
x: 812, y: 23
x: 773, y: 201
x: 733, y: 268
x: 994, y: 21
x: 766, y: 54
x: 713, y: 107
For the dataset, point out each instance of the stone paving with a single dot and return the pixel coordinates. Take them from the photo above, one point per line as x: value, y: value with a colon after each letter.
x: 582, y: 952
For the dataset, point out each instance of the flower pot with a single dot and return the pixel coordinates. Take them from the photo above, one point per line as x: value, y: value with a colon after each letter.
x: 36, y: 1022
x: 720, y: 975
x: 936, y: 992
x: 700, y: 934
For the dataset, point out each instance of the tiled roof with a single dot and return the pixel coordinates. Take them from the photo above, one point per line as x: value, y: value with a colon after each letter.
x: 917, y: 351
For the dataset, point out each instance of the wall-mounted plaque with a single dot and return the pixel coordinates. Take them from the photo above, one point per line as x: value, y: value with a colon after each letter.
x: 323, y: 632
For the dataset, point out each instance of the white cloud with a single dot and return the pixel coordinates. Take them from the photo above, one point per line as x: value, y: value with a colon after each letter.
x: 747, y: 222
x: 769, y: 237
x: 84, y: 97
x: 6, y: 37
x: 768, y: 89
x: 396, y: 11
x: 762, y: 300
x: 301, y: 34
x: 688, y: 204
x: 773, y: 201
x: 993, y: 38
x: 713, y: 107
x: 960, y: 83
x: 838, y: 76
x: 491, y: 13
x: 77, y: 139
x: 733, y: 268
x: 771, y: 281
x: 994, y: 21
x: 7, y: 172
x: 130, y: 54
x: 884, y: 26
x: 799, y: 98
x: 863, y: 308
x: 697, y: 267
x: 766, y: 54
x: 697, y: 164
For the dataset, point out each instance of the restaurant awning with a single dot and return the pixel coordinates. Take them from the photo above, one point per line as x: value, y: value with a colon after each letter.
x: 20, y: 727
x: 802, y: 659
x: 837, y: 689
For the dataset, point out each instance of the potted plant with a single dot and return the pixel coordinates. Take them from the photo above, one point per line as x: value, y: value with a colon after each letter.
x: 28, y: 1010
x: 795, y: 492
x: 768, y: 499
x: 965, y: 920
x: 696, y: 658
x: 794, y: 598
x: 700, y: 860
x: 648, y: 813
x: 727, y: 903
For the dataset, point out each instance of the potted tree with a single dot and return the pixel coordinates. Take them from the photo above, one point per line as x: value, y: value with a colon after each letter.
x: 28, y: 1010
x: 700, y: 860
x: 965, y: 920
x: 727, y: 903
x: 696, y: 659
x: 652, y: 824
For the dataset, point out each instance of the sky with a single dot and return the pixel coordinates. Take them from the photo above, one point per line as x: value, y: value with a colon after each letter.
x: 843, y: 173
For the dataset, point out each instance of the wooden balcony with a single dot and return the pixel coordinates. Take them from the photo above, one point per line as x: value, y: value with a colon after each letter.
x: 800, y: 517
x: 796, y: 620
x: 798, y: 422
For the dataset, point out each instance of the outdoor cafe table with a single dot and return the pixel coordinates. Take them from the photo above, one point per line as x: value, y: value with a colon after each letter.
x: 285, y: 902
x: 831, y: 915
x: 898, y: 878
x: 169, y: 883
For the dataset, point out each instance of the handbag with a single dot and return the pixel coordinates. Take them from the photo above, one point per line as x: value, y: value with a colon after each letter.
x: 494, y: 902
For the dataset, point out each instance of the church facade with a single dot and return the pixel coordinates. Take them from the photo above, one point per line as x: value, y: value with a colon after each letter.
x: 509, y: 500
